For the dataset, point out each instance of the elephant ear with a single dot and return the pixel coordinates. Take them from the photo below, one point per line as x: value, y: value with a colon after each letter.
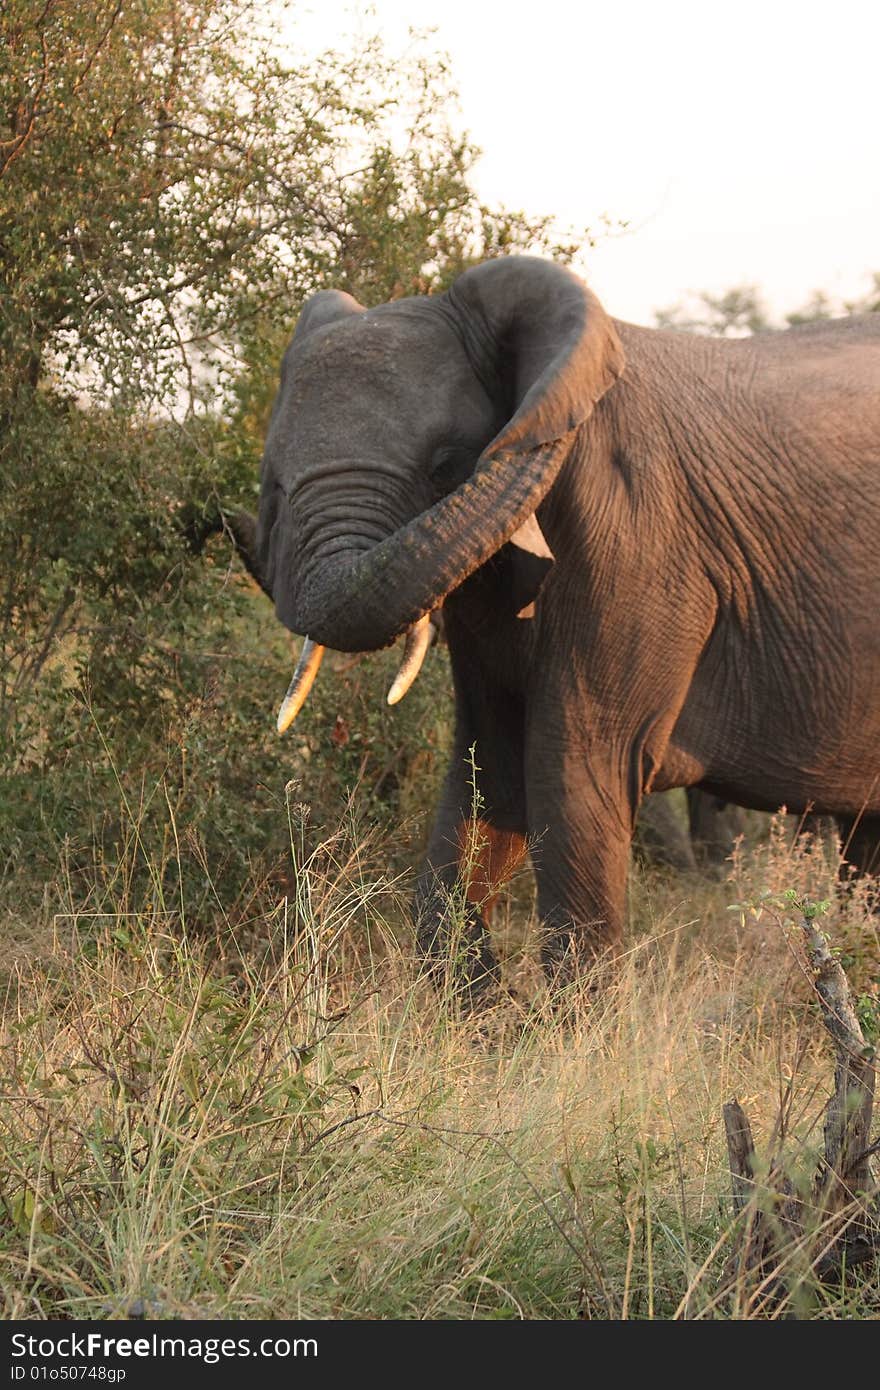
x: 537, y: 330
x: 326, y: 306
x: 321, y: 308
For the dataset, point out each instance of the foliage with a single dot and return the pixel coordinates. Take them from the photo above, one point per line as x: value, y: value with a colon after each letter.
x: 172, y: 186
x: 740, y: 311
x: 733, y: 314
x: 199, y: 179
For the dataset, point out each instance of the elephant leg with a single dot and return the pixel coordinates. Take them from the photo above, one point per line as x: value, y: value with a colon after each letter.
x: 478, y: 839
x: 714, y: 825
x: 860, y: 839
x: 661, y: 838
x: 580, y: 828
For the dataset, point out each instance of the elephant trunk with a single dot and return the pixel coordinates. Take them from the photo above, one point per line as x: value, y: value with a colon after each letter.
x: 362, y: 601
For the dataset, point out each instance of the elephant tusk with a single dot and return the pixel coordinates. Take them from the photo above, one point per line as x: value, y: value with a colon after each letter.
x: 418, y: 640
x: 303, y: 678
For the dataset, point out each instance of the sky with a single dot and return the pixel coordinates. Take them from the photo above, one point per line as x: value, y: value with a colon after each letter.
x: 739, y: 142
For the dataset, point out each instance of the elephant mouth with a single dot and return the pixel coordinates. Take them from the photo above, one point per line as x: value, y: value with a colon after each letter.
x: 361, y: 600
x: 418, y: 640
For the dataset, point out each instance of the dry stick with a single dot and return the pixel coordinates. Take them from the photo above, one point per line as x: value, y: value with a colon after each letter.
x: 754, y: 1264
x: 848, y: 1116
x: 740, y: 1152
x: 846, y: 1186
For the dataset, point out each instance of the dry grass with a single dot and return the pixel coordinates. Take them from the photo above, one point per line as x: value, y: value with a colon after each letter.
x: 281, y: 1120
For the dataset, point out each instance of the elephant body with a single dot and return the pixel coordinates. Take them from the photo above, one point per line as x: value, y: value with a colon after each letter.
x: 657, y: 557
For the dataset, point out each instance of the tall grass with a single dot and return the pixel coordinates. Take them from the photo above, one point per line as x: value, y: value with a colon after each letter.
x: 271, y: 1115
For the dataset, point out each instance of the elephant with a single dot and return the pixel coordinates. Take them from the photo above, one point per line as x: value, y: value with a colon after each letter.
x: 656, y: 555
x: 704, y: 842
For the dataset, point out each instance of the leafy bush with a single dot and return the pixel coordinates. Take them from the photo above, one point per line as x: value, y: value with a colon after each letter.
x: 202, y: 186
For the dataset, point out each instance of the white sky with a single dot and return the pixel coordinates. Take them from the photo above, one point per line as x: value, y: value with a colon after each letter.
x: 740, y: 140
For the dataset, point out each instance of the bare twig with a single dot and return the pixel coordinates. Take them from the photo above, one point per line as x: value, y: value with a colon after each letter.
x: 849, y: 1112
x: 741, y: 1153
x: 839, y: 1227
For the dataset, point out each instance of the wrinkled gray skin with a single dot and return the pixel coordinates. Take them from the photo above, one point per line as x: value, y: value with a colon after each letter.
x: 710, y: 615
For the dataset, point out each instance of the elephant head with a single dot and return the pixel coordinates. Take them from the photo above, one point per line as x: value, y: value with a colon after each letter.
x: 410, y: 441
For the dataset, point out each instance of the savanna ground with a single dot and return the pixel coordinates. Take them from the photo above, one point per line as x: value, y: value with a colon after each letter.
x: 253, y: 1107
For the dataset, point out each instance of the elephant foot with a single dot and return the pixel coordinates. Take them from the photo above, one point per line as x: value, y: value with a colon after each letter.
x: 576, y: 962
x: 460, y: 963
x: 860, y: 844
x: 661, y: 838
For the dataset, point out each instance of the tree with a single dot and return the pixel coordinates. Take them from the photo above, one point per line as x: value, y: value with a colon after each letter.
x: 197, y: 179
x: 171, y: 188
x: 734, y: 314
x: 740, y: 311
x: 170, y: 191
x: 821, y: 305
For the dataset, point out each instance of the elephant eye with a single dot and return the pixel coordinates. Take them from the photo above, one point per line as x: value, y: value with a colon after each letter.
x: 449, y: 467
